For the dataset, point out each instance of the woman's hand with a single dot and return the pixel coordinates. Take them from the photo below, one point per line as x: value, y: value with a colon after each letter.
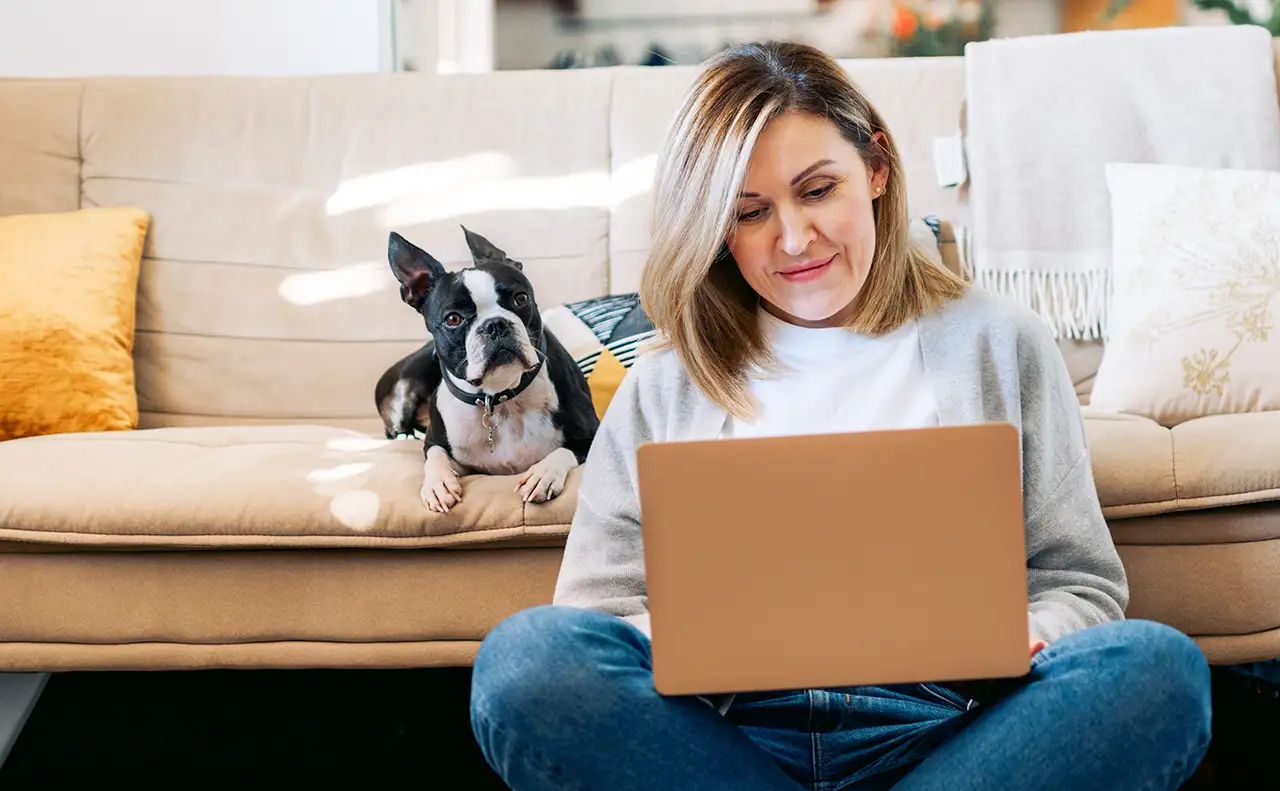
x: 1037, y: 645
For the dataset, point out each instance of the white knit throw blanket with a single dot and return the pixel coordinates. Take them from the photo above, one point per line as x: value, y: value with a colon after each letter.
x: 1046, y: 113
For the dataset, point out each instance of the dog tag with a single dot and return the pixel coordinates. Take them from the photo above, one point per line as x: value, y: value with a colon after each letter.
x: 486, y: 420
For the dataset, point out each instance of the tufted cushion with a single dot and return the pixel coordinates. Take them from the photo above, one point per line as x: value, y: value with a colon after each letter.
x: 223, y: 487
x: 1142, y: 468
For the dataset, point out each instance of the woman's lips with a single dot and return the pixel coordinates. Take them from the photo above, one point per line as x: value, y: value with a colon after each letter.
x: 809, y: 270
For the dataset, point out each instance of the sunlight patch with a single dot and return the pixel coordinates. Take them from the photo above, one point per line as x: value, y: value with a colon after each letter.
x: 633, y: 179
x: 357, y: 444
x: 339, y: 473
x: 345, y: 282
x: 357, y: 510
x: 577, y: 190
x: 422, y: 179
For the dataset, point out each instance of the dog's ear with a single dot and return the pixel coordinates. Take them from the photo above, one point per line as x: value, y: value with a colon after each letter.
x: 415, y: 269
x: 483, y: 251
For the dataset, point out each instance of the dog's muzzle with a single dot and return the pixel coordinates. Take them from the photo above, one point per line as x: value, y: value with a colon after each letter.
x: 496, y: 328
x: 500, y: 343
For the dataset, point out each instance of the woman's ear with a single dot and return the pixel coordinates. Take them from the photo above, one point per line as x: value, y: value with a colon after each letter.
x: 879, y: 175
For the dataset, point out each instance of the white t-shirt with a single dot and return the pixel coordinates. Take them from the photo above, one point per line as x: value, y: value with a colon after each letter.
x: 836, y: 380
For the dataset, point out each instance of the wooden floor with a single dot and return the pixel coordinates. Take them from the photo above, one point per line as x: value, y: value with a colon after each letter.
x: 374, y: 727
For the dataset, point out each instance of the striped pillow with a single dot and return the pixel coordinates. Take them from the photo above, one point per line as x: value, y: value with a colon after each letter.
x: 604, y: 336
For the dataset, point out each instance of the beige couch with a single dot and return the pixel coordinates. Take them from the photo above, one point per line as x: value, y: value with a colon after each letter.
x: 258, y: 519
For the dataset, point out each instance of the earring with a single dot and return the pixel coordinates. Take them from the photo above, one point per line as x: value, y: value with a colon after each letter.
x: 879, y: 190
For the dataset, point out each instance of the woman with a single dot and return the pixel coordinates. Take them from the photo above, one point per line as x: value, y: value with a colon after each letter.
x: 791, y: 300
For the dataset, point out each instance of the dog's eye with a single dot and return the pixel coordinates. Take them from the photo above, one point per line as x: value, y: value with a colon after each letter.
x: 520, y: 299
x: 452, y: 320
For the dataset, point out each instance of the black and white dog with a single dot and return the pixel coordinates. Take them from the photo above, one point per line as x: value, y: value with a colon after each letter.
x: 514, y: 402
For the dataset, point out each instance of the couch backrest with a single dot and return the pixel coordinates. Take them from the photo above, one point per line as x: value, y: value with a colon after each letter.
x: 265, y: 295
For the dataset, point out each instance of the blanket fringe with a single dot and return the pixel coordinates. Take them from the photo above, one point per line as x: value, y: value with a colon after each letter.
x: 1074, y: 305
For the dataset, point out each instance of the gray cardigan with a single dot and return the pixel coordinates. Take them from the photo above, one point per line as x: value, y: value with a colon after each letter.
x: 987, y: 360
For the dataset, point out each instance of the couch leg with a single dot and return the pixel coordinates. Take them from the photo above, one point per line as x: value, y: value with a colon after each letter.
x: 18, y: 695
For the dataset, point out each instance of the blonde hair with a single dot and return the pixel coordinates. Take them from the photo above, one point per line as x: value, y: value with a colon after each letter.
x: 691, y: 287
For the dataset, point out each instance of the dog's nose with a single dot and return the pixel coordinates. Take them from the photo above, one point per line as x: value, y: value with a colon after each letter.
x: 495, y: 328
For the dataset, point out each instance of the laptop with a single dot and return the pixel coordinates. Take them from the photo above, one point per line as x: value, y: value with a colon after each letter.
x: 835, y: 560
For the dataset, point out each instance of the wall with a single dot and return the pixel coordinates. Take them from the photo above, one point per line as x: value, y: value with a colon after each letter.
x: 624, y: 9
x: 528, y: 37
x: 445, y: 36
x: 67, y: 38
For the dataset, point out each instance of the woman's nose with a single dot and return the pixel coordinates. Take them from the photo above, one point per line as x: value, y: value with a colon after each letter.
x: 797, y: 231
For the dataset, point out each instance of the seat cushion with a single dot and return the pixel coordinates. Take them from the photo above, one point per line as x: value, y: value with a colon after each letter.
x: 240, y: 487
x: 1142, y: 468
x: 257, y: 486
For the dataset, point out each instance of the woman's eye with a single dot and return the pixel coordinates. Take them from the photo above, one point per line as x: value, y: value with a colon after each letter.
x: 754, y: 214
x: 819, y: 192
x: 520, y: 299
x: 452, y: 320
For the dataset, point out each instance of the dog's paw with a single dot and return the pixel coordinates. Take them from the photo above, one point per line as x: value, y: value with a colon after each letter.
x: 441, y: 490
x: 545, y: 480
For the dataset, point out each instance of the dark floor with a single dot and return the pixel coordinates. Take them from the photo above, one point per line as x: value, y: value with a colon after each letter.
x: 161, y: 728
x: 210, y: 726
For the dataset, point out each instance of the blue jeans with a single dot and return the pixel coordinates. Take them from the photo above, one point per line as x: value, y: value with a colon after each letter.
x: 563, y: 699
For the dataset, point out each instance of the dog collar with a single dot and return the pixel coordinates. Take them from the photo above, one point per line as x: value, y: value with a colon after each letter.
x: 489, y: 400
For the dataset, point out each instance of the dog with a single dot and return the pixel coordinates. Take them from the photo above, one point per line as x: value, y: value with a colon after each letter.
x: 493, y: 391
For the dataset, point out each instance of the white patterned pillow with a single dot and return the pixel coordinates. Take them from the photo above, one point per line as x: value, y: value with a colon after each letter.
x: 1195, y: 297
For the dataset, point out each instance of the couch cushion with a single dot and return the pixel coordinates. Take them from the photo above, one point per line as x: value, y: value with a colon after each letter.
x: 273, y: 486
x: 1142, y: 468
x: 40, y: 155
x: 252, y: 487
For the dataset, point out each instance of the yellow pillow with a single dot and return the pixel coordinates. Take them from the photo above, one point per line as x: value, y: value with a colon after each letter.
x: 68, y: 290
x: 604, y: 380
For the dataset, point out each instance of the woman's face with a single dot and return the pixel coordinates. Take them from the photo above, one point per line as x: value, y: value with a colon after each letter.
x: 805, y: 230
